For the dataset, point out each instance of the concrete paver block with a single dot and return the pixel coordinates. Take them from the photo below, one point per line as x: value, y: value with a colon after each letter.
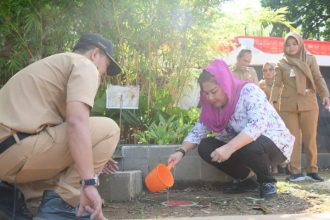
x: 121, y: 186
x: 135, y: 151
x: 213, y: 174
x: 162, y: 150
x: 188, y: 169
x: 135, y: 164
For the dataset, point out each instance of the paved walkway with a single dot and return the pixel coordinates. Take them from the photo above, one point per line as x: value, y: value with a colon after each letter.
x: 320, y: 216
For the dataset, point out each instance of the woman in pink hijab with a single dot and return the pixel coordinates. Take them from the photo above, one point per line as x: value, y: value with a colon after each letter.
x: 249, y: 134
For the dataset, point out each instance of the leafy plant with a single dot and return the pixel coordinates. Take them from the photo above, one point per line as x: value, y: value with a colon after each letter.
x: 170, y: 131
x: 311, y: 16
x: 157, y: 43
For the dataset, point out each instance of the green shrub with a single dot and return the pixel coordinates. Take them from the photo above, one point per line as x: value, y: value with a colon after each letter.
x: 170, y: 131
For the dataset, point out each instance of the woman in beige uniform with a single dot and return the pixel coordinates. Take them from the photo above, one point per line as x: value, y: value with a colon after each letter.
x: 299, y: 74
x: 268, y: 71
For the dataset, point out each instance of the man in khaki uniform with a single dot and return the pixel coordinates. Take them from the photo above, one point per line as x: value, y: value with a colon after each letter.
x: 241, y: 68
x: 299, y: 74
x: 48, y: 142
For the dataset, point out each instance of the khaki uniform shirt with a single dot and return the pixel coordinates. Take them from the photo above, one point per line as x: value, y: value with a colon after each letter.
x: 248, y: 74
x: 36, y: 96
x: 290, y: 99
x: 267, y: 88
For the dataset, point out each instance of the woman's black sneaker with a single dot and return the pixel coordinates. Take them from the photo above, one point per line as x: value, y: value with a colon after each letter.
x: 248, y: 185
x: 268, y: 190
x: 314, y: 177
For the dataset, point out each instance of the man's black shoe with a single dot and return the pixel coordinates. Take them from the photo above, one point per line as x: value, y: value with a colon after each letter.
x: 10, y: 198
x: 53, y: 207
x: 248, y: 185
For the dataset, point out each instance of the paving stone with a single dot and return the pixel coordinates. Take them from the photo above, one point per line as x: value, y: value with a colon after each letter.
x: 121, y: 186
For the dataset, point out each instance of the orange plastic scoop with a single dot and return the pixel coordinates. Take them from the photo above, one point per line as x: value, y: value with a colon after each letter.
x: 160, y: 178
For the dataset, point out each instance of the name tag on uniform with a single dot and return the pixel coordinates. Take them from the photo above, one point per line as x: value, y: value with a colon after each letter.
x: 292, y: 73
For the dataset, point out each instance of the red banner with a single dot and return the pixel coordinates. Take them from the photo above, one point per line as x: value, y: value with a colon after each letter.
x: 274, y: 45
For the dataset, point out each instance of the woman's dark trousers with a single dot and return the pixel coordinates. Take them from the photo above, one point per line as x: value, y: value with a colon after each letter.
x: 257, y: 156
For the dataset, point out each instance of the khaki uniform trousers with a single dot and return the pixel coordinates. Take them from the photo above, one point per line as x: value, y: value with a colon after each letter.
x: 43, y: 161
x: 303, y: 125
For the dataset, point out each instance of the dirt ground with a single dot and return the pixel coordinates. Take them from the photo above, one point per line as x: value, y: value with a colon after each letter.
x: 305, y: 197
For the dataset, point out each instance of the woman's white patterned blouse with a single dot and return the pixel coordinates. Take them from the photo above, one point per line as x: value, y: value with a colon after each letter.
x: 253, y: 115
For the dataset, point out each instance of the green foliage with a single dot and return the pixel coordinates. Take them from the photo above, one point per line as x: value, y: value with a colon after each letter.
x: 170, y: 131
x: 160, y: 41
x: 159, y: 44
x: 30, y: 30
x: 163, y: 117
x: 311, y: 16
x: 252, y: 23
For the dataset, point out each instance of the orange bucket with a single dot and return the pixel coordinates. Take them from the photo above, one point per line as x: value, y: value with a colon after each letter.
x: 160, y: 178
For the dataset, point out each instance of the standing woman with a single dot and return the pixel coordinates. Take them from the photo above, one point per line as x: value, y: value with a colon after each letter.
x: 249, y: 134
x: 268, y: 72
x: 299, y: 74
x: 266, y: 83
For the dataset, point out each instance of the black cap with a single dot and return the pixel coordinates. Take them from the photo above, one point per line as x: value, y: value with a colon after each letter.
x: 105, y: 45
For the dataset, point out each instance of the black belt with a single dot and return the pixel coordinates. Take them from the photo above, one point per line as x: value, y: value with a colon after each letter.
x: 11, y: 140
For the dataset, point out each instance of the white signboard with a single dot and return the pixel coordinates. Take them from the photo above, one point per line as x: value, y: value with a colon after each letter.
x: 122, y: 97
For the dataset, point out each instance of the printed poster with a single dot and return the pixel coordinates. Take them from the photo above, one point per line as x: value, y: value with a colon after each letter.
x: 122, y: 97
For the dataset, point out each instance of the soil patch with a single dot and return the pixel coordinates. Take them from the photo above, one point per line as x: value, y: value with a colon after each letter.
x: 304, y: 197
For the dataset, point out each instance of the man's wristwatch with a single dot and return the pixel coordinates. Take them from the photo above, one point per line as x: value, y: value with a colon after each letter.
x: 90, y: 182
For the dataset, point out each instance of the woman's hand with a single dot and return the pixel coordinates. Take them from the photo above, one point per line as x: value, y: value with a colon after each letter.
x: 326, y: 103
x: 221, y: 154
x: 175, y: 158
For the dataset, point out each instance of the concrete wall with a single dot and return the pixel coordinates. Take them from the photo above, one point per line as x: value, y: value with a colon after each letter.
x: 192, y: 169
x: 136, y: 161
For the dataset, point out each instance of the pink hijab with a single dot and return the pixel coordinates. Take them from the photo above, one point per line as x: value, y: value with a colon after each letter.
x: 212, y: 117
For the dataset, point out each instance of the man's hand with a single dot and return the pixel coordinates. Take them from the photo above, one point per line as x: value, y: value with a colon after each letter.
x: 90, y: 201
x: 110, y: 167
